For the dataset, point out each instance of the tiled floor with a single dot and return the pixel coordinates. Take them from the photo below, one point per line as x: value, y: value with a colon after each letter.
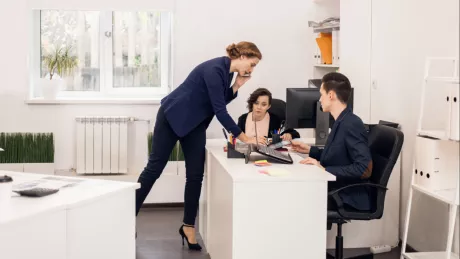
x: 158, y: 237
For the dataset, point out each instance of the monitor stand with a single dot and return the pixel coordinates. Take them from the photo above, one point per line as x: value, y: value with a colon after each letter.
x: 322, y: 126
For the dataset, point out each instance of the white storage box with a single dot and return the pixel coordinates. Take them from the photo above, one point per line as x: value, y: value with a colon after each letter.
x: 436, y: 163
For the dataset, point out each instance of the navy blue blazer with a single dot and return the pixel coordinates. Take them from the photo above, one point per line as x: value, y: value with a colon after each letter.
x: 205, y: 92
x: 347, y: 156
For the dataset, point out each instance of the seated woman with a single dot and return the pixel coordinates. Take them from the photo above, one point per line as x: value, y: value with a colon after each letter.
x: 258, y: 104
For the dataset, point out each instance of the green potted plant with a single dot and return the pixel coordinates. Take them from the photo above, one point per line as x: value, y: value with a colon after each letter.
x: 176, y: 161
x: 27, y: 152
x: 59, y: 63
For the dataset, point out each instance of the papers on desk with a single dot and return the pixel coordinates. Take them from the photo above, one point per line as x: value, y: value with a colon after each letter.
x: 46, y: 182
x: 274, y: 171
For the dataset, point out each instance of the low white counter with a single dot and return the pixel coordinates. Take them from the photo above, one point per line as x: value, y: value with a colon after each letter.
x: 92, y: 219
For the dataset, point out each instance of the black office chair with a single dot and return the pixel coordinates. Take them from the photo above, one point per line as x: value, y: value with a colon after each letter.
x: 382, y: 122
x: 385, y: 143
x: 278, y: 108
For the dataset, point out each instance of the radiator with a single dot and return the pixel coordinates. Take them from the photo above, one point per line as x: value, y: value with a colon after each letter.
x: 102, y: 145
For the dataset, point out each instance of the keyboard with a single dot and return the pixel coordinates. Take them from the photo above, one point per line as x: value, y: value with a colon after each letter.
x: 277, y: 155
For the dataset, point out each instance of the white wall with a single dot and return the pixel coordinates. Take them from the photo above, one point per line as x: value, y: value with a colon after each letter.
x: 355, y: 51
x: 203, y: 29
x: 404, y: 33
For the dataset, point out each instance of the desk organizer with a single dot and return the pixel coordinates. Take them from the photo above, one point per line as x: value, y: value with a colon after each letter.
x: 232, y: 153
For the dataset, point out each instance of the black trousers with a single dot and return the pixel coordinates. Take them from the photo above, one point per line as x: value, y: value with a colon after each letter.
x: 163, y: 143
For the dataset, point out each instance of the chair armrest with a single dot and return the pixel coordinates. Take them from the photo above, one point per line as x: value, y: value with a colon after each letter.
x: 378, y: 186
x: 338, y: 201
x: 335, y: 196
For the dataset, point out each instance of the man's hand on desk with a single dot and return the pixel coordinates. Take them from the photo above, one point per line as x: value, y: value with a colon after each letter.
x: 300, y: 147
x: 311, y: 161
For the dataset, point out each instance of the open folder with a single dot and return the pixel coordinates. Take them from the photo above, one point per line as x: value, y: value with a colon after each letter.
x: 324, y: 42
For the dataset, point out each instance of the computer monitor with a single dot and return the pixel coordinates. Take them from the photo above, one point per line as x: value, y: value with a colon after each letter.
x: 303, y: 110
x: 314, y: 83
x: 301, y: 107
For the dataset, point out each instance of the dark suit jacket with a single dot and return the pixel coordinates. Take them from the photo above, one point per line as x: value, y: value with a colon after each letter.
x: 205, y: 92
x: 347, y: 156
x: 274, y: 124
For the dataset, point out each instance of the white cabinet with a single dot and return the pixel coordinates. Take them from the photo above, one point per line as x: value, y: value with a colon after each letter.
x: 384, y: 44
x: 357, y: 27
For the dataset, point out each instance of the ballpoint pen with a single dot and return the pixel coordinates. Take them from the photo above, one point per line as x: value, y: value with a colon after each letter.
x: 225, y: 134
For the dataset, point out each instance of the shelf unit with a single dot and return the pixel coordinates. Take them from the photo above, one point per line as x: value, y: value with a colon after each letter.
x: 446, y: 195
x: 437, y: 134
x: 430, y: 255
x: 437, y: 159
x: 327, y: 65
x: 320, y: 69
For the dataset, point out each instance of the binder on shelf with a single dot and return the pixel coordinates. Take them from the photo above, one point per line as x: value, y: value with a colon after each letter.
x: 318, y: 58
x: 335, y: 47
x: 324, y: 42
x: 436, y: 163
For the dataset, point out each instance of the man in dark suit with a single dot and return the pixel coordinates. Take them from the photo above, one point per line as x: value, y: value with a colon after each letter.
x: 346, y: 153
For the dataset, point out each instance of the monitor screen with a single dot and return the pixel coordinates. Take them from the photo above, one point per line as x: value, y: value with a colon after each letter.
x: 301, y: 107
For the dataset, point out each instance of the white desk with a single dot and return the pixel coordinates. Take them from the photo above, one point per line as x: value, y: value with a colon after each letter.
x: 245, y: 214
x: 93, y: 219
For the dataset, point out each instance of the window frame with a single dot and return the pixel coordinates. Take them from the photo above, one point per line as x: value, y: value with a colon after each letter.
x: 106, y: 89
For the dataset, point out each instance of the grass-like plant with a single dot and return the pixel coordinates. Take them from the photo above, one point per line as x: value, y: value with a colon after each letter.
x: 176, y: 155
x: 26, y: 148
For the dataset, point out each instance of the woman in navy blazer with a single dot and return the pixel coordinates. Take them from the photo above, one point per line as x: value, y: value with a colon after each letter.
x: 184, y: 116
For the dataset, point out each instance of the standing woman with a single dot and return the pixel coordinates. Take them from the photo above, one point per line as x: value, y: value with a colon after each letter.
x: 185, y: 115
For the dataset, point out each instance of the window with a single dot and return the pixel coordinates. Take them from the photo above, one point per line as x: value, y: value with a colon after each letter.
x: 105, y: 54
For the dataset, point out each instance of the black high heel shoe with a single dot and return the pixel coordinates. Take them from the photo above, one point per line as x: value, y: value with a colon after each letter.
x: 196, y: 246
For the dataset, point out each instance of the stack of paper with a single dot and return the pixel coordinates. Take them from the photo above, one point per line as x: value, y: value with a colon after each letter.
x: 331, y: 21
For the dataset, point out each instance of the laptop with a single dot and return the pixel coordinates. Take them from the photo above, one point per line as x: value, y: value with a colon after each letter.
x: 270, y: 152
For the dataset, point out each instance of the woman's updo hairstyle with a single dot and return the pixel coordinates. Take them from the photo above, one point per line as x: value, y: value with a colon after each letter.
x: 243, y: 48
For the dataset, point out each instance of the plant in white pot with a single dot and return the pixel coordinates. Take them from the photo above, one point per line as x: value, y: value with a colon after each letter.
x: 59, y: 62
x: 27, y: 152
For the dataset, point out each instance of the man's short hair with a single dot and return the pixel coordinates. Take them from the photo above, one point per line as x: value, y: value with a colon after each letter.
x: 338, y: 83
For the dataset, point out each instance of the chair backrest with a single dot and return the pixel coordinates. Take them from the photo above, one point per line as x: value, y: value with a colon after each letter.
x: 385, y: 144
x: 278, y: 108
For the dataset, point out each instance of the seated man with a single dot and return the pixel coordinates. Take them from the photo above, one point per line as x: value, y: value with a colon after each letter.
x: 346, y: 153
